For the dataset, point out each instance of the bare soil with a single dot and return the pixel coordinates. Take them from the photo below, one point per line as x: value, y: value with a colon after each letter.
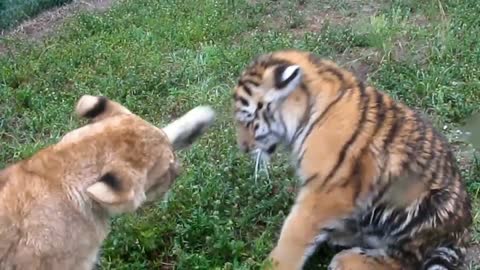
x: 47, y: 22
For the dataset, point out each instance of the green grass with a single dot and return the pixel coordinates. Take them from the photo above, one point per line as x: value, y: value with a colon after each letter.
x: 13, y: 12
x: 162, y: 58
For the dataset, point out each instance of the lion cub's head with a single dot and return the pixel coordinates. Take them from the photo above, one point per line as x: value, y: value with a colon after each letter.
x: 134, y: 161
x: 54, y: 205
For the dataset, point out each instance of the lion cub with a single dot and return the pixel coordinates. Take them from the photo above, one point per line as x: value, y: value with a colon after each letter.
x: 55, y: 206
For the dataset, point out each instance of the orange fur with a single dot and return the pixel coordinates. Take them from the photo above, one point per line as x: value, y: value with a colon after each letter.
x: 375, y: 174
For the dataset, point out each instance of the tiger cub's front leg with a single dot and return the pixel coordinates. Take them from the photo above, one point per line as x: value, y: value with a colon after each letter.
x: 302, y: 231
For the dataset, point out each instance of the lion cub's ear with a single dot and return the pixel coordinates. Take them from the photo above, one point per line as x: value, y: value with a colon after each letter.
x: 96, y: 108
x: 115, y: 194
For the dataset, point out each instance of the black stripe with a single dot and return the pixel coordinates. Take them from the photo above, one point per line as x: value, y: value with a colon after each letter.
x: 304, y: 88
x: 433, y: 157
x: 278, y: 76
x: 247, y: 90
x: 362, y: 89
x: 398, y: 121
x: 334, y: 71
x: 309, y: 179
x: 379, y: 117
x: 112, y: 181
x: 412, y: 145
x: 261, y: 137
x: 433, y: 143
x: 356, y: 177
x: 282, y: 122
x: 97, y: 109
x: 420, y: 146
x: 356, y: 174
x: 244, y: 82
x: 243, y: 101
x: 268, y: 109
x: 339, y: 97
x: 387, y: 140
x: 363, y: 107
x: 444, y: 167
x: 297, y: 133
x: 314, y: 59
x: 381, y: 112
x: 274, y: 62
x: 438, y: 166
x: 379, y: 121
x: 265, y: 118
x: 381, y: 192
x: 448, y: 167
x: 306, y: 114
x: 245, y: 111
x: 419, y: 149
x: 254, y: 73
x: 300, y: 159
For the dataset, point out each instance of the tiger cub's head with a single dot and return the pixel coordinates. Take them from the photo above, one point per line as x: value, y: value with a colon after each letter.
x: 278, y: 93
x: 269, y: 101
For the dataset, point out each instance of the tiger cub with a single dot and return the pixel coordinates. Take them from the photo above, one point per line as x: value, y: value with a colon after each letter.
x: 55, y: 206
x: 376, y: 178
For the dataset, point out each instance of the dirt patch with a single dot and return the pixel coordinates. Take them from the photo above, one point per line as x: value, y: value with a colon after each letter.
x: 311, y: 16
x: 47, y: 22
x: 316, y: 18
x: 361, y: 61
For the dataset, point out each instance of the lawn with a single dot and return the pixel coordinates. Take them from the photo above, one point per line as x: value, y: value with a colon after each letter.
x: 162, y: 58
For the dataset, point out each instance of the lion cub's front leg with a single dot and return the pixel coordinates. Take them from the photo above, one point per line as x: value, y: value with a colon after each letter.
x: 302, y: 231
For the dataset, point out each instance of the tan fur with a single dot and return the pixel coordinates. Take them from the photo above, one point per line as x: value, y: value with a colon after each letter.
x: 370, y: 167
x: 55, y: 205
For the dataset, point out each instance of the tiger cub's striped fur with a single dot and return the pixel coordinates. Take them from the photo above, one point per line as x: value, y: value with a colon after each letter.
x: 377, y: 178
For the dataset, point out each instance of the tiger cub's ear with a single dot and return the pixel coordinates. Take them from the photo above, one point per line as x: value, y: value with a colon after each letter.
x: 116, y: 193
x: 286, y: 78
x: 96, y: 108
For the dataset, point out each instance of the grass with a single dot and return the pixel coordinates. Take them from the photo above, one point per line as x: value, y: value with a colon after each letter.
x: 12, y: 12
x: 161, y: 58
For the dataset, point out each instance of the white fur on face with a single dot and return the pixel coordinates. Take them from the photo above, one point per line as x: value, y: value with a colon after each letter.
x: 289, y: 71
